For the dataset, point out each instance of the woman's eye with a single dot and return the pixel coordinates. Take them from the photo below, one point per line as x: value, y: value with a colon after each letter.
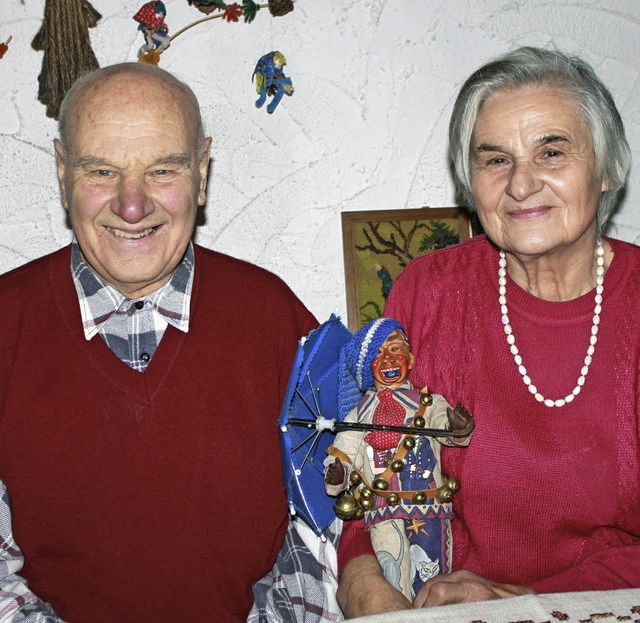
x: 497, y: 160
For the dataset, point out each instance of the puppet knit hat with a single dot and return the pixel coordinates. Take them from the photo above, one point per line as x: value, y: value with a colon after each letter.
x: 354, y: 375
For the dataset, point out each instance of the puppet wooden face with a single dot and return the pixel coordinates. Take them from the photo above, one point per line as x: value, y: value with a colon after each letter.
x: 393, y: 362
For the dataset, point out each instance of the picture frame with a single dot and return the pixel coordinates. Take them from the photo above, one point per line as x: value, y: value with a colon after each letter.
x: 378, y: 244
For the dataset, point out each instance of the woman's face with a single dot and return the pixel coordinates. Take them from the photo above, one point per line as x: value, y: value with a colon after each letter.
x: 534, y: 178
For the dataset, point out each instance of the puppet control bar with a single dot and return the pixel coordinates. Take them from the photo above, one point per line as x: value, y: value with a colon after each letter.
x: 334, y: 426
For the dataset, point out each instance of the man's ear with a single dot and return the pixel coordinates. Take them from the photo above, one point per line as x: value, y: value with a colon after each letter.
x: 203, y: 167
x: 60, y: 168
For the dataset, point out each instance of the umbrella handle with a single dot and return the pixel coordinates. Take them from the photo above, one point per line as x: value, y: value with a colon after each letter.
x: 334, y: 426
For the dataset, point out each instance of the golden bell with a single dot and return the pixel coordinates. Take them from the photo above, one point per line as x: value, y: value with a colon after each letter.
x: 445, y: 494
x: 366, y: 504
x: 451, y: 482
x: 359, y: 513
x: 419, y: 497
x: 346, y: 507
x: 393, y: 499
x: 419, y: 421
x: 426, y: 399
x: 397, y: 466
x: 409, y: 442
x: 366, y: 493
x: 380, y: 484
x: 355, y: 478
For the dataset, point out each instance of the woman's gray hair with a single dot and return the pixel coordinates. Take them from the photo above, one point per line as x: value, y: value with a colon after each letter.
x: 530, y: 66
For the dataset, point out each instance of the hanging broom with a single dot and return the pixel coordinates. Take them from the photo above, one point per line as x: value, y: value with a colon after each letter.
x: 64, y: 39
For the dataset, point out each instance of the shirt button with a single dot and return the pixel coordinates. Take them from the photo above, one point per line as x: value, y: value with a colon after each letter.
x: 139, y: 304
x: 145, y: 357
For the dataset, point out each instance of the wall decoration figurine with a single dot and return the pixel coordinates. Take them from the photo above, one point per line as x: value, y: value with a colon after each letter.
x: 394, y: 478
x: 249, y: 8
x: 152, y: 14
x: 151, y: 23
x: 271, y: 81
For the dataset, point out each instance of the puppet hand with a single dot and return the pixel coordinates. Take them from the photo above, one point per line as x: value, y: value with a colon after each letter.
x: 464, y: 586
x: 461, y: 421
x: 334, y: 474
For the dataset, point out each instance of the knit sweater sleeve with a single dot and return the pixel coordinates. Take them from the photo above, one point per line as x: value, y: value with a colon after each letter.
x: 608, y: 569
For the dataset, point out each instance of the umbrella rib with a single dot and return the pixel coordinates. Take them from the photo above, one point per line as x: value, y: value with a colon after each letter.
x: 314, y: 443
x: 296, y: 448
x: 315, y: 415
x: 313, y: 393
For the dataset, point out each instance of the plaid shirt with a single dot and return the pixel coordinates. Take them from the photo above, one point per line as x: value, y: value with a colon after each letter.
x: 132, y: 328
x: 301, y: 587
x: 17, y: 603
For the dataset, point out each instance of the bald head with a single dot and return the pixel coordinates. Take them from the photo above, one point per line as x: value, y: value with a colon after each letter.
x: 128, y: 82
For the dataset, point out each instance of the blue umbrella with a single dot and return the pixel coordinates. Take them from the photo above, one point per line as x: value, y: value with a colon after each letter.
x: 310, y: 406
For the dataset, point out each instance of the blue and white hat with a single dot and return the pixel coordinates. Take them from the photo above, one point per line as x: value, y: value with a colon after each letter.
x: 356, y: 356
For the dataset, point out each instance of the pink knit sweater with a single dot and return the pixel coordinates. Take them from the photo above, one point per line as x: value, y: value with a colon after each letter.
x: 550, y: 496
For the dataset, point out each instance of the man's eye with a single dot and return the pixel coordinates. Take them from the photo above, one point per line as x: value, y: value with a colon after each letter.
x: 102, y: 172
x: 552, y: 153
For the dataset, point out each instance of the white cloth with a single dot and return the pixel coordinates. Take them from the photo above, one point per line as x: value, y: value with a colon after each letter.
x: 584, y: 607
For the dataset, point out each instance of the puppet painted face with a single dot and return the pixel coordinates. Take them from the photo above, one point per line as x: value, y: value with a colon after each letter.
x: 391, y: 366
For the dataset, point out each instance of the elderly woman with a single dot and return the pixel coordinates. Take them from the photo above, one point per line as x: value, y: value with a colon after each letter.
x: 536, y: 328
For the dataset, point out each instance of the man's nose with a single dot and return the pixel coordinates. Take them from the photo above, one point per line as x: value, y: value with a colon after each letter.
x: 132, y: 202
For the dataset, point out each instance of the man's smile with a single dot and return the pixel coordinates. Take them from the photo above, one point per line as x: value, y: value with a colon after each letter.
x: 120, y: 233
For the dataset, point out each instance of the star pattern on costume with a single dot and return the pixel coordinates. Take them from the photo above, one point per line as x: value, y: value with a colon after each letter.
x: 416, y: 527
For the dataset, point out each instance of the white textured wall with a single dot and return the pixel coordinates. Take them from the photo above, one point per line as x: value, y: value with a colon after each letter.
x: 365, y: 129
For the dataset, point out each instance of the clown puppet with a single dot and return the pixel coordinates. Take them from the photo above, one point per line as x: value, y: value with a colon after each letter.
x: 392, y: 478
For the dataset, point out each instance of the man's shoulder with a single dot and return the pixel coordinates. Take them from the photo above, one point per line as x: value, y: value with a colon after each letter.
x: 233, y: 272
x: 34, y: 271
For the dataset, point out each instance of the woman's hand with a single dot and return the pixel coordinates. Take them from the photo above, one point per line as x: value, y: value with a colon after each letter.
x: 363, y: 590
x: 463, y: 586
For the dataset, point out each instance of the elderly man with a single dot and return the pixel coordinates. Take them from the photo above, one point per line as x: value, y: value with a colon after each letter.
x: 141, y: 376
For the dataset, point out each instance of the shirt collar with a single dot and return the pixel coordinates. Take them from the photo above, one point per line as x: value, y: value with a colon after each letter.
x: 99, y: 300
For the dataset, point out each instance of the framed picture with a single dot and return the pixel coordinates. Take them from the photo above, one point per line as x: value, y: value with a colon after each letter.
x: 379, y: 244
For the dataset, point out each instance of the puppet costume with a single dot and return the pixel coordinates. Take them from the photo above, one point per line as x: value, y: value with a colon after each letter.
x: 409, y: 526
x: 155, y: 496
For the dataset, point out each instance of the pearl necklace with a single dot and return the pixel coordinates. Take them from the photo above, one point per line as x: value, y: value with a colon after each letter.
x: 511, y: 340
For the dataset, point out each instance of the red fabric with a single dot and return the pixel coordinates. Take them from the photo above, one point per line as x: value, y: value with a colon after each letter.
x: 388, y: 413
x: 147, y: 16
x: 549, y: 497
x: 156, y: 496
x: 354, y: 542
